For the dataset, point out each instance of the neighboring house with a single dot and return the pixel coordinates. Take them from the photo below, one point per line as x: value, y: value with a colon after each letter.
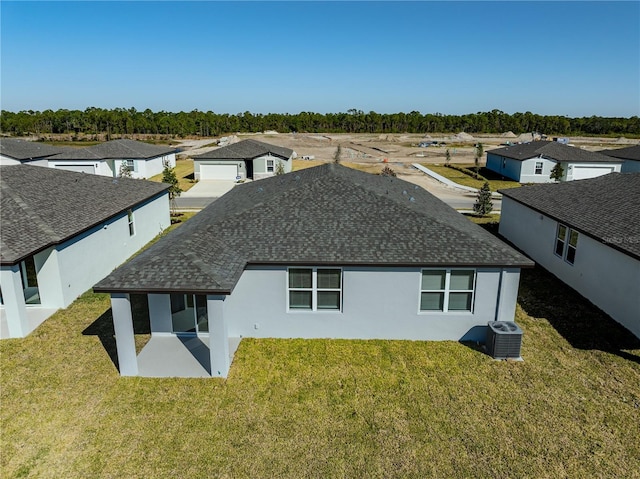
x: 14, y: 151
x: 247, y: 159
x: 630, y: 155
x: 61, y: 232
x: 533, y: 162
x: 143, y: 159
x: 587, y: 233
x: 325, y: 252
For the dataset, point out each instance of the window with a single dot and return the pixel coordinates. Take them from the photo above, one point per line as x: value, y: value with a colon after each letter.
x: 131, y: 165
x: 270, y: 166
x: 566, y: 243
x: 315, y: 289
x: 447, y: 290
x: 539, y: 165
x: 132, y: 229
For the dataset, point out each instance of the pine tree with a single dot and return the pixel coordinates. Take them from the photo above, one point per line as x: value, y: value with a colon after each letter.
x: 483, y: 205
x: 557, y: 173
x: 169, y: 176
x: 447, y: 157
x: 338, y: 154
x: 125, y: 171
x: 387, y: 171
x: 279, y: 169
x: 479, y: 153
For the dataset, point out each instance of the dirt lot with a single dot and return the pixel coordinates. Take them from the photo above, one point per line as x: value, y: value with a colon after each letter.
x: 400, y: 148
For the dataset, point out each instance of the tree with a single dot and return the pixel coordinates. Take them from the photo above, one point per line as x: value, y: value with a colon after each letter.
x: 279, y: 169
x: 337, y: 154
x: 479, y: 153
x: 387, y: 171
x: 447, y: 157
x: 483, y: 205
x: 169, y: 176
x: 125, y: 171
x: 557, y: 173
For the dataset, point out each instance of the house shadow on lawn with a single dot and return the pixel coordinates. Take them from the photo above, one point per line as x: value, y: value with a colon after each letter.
x: 103, y: 326
x: 580, y: 322
x: 575, y: 318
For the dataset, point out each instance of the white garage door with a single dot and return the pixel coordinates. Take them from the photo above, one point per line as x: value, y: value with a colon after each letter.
x: 584, y: 172
x: 218, y: 172
x: 79, y: 168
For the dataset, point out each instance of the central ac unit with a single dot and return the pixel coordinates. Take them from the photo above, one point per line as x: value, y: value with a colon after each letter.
x: 504, y: 339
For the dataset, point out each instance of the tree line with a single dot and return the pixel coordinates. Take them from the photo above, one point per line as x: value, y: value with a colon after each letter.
x: 125, y: 121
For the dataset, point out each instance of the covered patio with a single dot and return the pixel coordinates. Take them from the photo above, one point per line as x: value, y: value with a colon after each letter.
x: 35, y: 316
x: 188, y: 337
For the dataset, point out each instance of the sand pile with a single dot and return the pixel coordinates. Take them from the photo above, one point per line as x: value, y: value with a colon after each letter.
x: 509, y: 134
x: 462, y: 136
x: 270, y: 132
x: 390, y: 138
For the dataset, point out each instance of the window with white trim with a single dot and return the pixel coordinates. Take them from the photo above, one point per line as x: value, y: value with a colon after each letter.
x: 447, y: 290
x: 132, y: 229
x: 270, y: 166
x: 539, y: 166
x: 131, y: 165
x: 566, y: 243
x: 314, y: 289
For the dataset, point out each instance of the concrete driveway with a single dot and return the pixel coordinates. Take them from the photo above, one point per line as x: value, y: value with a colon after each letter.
x: 209, y: 189
x: 203, y: 193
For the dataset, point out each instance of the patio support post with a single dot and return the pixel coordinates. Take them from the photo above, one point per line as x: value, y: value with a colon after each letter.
x: 508, y: 295
x: 125, y: 341
x: 13, y: 297
x: 218, y: 337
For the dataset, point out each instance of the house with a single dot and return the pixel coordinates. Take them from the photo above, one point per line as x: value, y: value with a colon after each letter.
x: 61, y: 232
x: 585, y: 232
x: 630, y: 155
x: 533, y: 162
x: 325, y: 252
x: 143, y: 159
x: 14, y: 151
x: 247, y: 159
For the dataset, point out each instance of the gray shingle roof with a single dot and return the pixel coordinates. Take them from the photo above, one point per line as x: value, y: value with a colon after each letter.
x: 606, y: 208
x: 628, y: 153
x: 245, y: 150
x: 40, y: 206
x: 26, y: 150
x: 324, y: 215
x: 553, y: 151
x: 114, y: 150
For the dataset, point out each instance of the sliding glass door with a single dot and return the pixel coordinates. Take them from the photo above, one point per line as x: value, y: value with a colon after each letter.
x: 189, y: 313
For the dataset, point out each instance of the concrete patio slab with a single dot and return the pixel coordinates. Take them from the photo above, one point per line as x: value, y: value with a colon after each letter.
x: 35, y: 317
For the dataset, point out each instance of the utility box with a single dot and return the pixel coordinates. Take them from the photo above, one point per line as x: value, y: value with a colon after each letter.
x: 504, y: 339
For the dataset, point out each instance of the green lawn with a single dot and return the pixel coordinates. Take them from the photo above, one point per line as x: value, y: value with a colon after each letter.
x: 331, y: 408
x: 184, y: 172
x: 462, y: 179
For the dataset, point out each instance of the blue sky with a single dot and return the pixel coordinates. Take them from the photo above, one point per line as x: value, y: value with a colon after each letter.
x: 557, y: 58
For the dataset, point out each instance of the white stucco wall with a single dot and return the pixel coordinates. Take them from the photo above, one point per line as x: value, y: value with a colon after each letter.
x: 528, y: 168
x: 149, y: 167
x: 260, y: 166
x: 107, y: 246
x: 600, y: 168
x: 377, y: 303
x: 100, y: 167
x: 605, y: 276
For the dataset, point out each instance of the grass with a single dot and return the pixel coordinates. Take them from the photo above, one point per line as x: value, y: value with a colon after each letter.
x: 327, y: 408
x: 495, y: 183
x: 184, y: 172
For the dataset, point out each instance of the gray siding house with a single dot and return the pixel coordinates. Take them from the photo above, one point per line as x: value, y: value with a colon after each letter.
x: 326, y: 252
x: 587, y: 233
x: 63, y: 231
x: 533, y: 162
x: 247, y: 159
x: 630, y: 155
